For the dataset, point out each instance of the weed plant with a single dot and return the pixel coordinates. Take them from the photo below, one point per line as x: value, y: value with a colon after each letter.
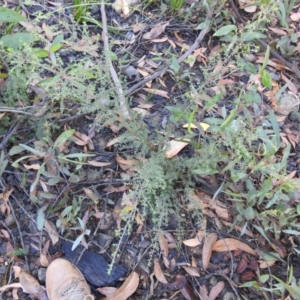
x: 235, y: 146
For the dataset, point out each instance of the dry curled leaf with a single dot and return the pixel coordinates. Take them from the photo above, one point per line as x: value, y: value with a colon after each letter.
x: 127, y: 288
x: 155, y: 31
x: 158, y: 272
x: 229, y: 244
x: 175, y: 148
x: 216, y: 290
x: 207, y: 249
x: 51, y: 228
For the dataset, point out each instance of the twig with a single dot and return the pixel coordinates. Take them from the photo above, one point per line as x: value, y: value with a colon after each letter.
x: 265, y: 45
x: 160, y: 72
x: 113, y: 73
x: 9, y: 135
x: 20, y: 233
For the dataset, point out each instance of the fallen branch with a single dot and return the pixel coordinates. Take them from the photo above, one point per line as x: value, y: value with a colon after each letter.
x: 160, y: 72
x: 113, y: 73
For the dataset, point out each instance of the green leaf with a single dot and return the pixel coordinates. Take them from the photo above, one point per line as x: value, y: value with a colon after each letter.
x: 79, y: 155
x: 225, y: 30
x: 40, y: 53
x: 40, y: 219
x: 202, y: 25
x: 266, y: 59
x: 63, y: 138
x: 77, y: 241
x: 249, y: 213
x: 293, y: 289
x: 266, y: 79
x: 15, y: 150
x: 175, y: 64
x: 56, y: 44
x: 16, y: 40
x: 38, y: 174
x: 264, y: 278
x: 3, y: 163
x: 261, y: 231
x: 10, y: 16
x: 33, y: 151
x: 250, y: 36
x: 229, y: 118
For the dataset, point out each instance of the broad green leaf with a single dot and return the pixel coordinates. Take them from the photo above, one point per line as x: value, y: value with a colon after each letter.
x: 262, y: 232
x: 230, y: 118
x: 225, y: 30
x: 40, y: 53
x: 10, y: 16
x: 63, y: 138
x: 57, y: 43
x: 264, y: 278
x: 266, y: 59
x: 293, y: 289
x: 202, y: 25
x: 266, y: 79
x: 40, y: 219
x: 16, y: 163
x: 290, y: 231
x: 175, y: 64
x: 38, y: 174
x: 275, y: 126
x: 249, y: 213
x: 77, y: 241
x: 16, y: 40
x: 251, y: 36
x: 15, y: 150
x: 33, y: 151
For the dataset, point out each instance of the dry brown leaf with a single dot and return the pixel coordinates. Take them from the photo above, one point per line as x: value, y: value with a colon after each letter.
x: 32, y: 167
x: 265, y: 264
x: 192, y: 242
x: 155, y: 31
x: 129, y: 162
x: 229, y: 244
x: 98, y: 163
x: 107, y: 291
x: 48, y: 32
x: 193, y: 271
x: 160, y: 40
x: 51, y: 228
x: 31, y: 286
x: 138, y: 27
x: 127, y: 288
x: 216, y: 290
x: 4, y: 206
x: 158, y: 272
x: 278, y: 31
x: 246, y: 5
x: 209, y: 242
x: 203, y: 292
x: 157, y: 92
x: 295, y: 16
x: 124, y: 6
x: 44, y: 262
x: 163, y: 243
x: 175, y: 148
x: 91, y: 195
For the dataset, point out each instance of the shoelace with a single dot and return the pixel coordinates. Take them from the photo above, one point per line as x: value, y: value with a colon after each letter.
x: 73, y: 293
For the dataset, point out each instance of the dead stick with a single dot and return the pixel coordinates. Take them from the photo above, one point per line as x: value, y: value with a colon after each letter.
x: 160, y: 72
x: 113, y: 73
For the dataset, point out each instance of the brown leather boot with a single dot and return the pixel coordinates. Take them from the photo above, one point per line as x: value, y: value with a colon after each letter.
x: 65, y: 282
